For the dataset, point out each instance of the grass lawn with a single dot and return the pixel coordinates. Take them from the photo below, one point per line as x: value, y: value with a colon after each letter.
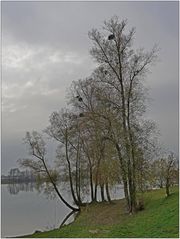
x: 159, y: 219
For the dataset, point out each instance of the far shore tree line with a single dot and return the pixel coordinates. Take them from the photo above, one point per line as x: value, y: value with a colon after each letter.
x: 17, y: 176
x: 103, y: 136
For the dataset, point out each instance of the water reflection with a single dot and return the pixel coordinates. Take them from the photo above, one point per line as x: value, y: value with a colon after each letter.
x: 44, y: 188
x: 69, y: 218
x: 26, y: 204
x: 47, y: 189
x: 15, y: 188
x: 32, y: 199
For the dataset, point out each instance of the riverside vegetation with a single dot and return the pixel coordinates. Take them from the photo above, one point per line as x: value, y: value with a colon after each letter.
x: 159, y: 219
x: 104, y: 139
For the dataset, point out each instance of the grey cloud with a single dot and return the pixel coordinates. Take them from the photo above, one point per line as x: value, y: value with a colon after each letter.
x: 67, y: 23
x: 38, y: 90
x: 46, y: 46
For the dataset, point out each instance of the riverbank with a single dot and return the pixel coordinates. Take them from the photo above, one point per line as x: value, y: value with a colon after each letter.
x: 159, y: 219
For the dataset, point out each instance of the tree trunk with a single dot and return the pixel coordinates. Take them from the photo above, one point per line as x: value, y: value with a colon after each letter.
x: 78, y: 174
x: 91, y: 178
x: 130, y: 150
x: 56, y: 189
x: 77, y: 184
x: 95, y: 192
x: 102, y: 192
x: 167, y: 187
x: 126, y: 193
x: 133, y: 172
x: 128, y: 140
x: 70, y: 175
x: 107, y: 192
x: 91, y: 183
x: 96, y: 179
x: 132, y: 195
x: 124, y: 177
x: 90, y: 171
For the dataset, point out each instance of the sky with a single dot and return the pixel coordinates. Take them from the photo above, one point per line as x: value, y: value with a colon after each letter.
x: 45, y: 46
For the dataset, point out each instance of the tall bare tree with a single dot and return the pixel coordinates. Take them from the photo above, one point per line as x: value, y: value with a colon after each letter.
x: 125, y: 69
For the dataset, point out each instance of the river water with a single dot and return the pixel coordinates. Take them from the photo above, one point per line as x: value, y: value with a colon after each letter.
x: 25, y: 209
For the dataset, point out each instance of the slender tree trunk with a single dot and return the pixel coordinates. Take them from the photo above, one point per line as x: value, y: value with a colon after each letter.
x: 167, y: 187
x: 133, y: 171
x: 131, y: 149
x: 133, y: 199
x: 96, y: 179
x: 91, y: 183
x: 91, y: 178
x: 124, y: 177
x: 77, y: 184
x: 78, y: 174
x: 107, y: 192
x: 126, y: 130
x: 56, y: 189
x: 70, y: 175
x: 130, y: 188
x: 125, y: 183
x: 90, y: 171
x: 95, y: 192
x: 102, y: 192
x: 132, y: 193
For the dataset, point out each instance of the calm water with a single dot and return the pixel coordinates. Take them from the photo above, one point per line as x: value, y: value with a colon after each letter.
x: 24, y: 209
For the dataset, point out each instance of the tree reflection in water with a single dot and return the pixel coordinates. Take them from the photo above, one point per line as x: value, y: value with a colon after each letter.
x: 65, y: 221
x: 15, y: 188
x: 39, y: 187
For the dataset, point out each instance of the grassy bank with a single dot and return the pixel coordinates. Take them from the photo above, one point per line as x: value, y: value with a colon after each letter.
x: 159, y: 219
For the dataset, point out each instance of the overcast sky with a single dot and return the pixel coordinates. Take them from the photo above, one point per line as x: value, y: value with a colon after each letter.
x: 46, y: 47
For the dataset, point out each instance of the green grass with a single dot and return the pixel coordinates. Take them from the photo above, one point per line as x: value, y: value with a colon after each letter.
x: 159, y: 219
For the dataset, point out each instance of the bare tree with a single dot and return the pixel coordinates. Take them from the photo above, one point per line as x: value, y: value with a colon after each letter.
x: 103, y: 137
x: 59, y: 130
x: 125, y: 69
x: 37, y: 149
x: 95, y: 126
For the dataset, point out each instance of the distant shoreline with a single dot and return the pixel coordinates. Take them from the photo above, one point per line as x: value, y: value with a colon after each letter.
x: 7, y: 181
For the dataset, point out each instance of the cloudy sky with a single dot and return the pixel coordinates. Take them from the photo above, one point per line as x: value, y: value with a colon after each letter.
x: 46, y: 47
